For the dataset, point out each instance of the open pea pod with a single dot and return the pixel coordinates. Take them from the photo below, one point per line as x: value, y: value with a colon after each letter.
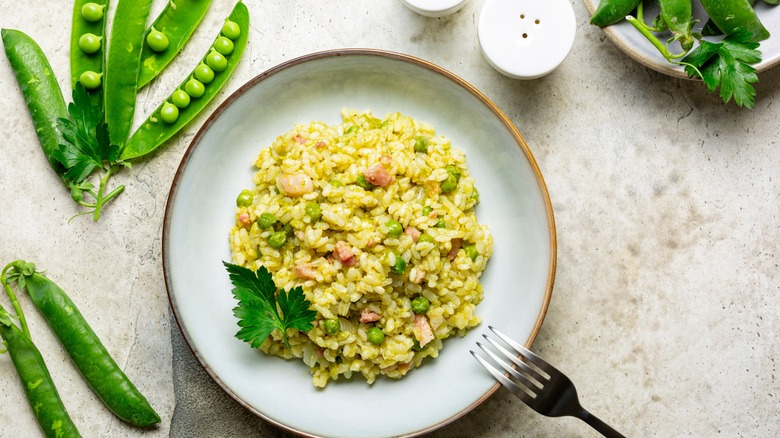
x: 123, y: 64
x: 197, y: 90
x: 87, y: 45
x: 165, y: 38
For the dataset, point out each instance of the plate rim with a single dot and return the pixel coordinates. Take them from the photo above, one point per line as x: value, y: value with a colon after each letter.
x: 360, y: 52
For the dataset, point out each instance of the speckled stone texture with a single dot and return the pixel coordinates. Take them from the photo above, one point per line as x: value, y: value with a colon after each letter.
x: 666, y: 202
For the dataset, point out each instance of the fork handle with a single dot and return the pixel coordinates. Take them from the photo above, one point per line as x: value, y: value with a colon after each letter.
x: 602, y: 427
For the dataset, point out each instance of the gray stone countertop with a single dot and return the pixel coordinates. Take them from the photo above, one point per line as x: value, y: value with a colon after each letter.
x: 666, y: 201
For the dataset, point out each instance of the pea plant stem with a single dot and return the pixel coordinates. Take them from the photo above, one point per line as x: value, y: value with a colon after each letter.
x: 12, y: 297
x: 648, y: 33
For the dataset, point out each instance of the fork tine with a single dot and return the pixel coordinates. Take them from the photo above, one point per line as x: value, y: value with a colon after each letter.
x: 538, y: 377
x: 527, y: 383
x: 503, y: 380
x: 528, y: 354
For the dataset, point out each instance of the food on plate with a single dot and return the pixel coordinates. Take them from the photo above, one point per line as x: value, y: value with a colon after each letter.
x: 723, y: 64
x: 374, y: 220
x: 85, y: 349
x: 90, y: 136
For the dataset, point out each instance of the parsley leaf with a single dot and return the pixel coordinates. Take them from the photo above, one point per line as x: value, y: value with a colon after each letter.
x: 261, y: 310
x: 727, y: 65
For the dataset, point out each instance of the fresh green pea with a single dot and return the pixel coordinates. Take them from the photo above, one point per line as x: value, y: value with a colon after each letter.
x: 151, y: 134
x: 223, y: 45
x: 216, y: 61
x: 40, y: 89
x: 375, y: 335
x: 449, y: 184
x: 420, y: 305
x: 453, y: 170
x: 314, y: 211
x: 427, y: 210
x: 204, y: 73
x: 332, y: 326
x: 425, y: 238
x: 157, y: 40
x: 90, y: 80
x: 471, y: 251
x: 394, y: 228
x: 92, y: 12
x: 245, y: 198
x: 266, y: 220
x: 440, y: 224
x: 123, y: 66
x: 180, y: 98
x: 420, y: 144
x: 88, y: 354
x: 364, y: 183
x: 195, y: 88
x: 277, y: 239
x: 399, y: 265
x: 177, y: 21
x: 611, y: 11
x: 336, y: 183
x: 90, y: 43
x: 231, y: 29
x: 169, y: 113
x: 475, y: 195
x: 38, y: 385
x: 88, y: 18
x: 734, y: 14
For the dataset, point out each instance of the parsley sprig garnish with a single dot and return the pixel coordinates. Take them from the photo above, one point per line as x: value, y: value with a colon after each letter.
x: 87, y: 149
x: 262, y: 308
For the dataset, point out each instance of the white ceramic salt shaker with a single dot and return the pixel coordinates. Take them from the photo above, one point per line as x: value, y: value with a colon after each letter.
x: 526, y: 39
x: 434, y: 8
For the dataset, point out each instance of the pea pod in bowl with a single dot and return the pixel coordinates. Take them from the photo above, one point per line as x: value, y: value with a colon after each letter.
x: 197, y: 90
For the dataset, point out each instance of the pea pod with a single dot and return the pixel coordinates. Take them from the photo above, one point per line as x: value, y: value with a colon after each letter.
x: 86, y: 351
x: 710, y: 29
x: 123, y: 64
x: 177, y: 22
x: 40, y: 89
x: 153, y: 132
x: 38, y: 386
x: 88, y: 24
x: 678, y: 16
x: 611, y: 11
x: 730, y: 15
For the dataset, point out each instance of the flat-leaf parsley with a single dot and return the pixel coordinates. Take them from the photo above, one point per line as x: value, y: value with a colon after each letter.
x: 261, y: 309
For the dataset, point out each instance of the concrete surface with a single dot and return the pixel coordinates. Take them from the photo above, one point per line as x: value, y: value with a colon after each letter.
x: 666, y: 201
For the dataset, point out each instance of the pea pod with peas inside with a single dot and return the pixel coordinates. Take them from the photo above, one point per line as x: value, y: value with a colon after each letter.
x: 87, y: 352
x: 731, y: 15
x: 200, y: 87
x: 166, y: 37
x: 87, y: 45
x: 611, y: 11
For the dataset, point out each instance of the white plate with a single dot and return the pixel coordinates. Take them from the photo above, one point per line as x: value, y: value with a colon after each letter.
x: 218, y: 165
x: 630, y: 41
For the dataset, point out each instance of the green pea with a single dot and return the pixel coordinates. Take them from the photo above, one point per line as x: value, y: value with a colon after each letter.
x: 427, y: 210
x: 194, y: 88
x: 266, y: 220
x: 364, y: 183
x: 453, y: 170
x: 420, y: 305
x: 399, y: 266
x: 420, y: 144
x: 216, y: 61
x: 449, y: 184
x: 332, y: 326
x: 223, y: 45
x: 440, y: 224
x: 336, y: 183
x: 425, y: 238
x: 90, y: 80
x: 277, y: 239
x: 169, y: 112
x: 475, y: 195
x: 204, y: 73
x: 231, y: 29
x: 375, y: 335
x: 314, y: 211
x: 244, y: 198
x: 471, y: 251
x: 90, y: 43
x: 180, y: 98
x: 157, y: 41
x: 92, y: 12
x: 394, y: 228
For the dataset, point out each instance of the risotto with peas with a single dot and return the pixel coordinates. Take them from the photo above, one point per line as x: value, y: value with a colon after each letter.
x: 374, y: 219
